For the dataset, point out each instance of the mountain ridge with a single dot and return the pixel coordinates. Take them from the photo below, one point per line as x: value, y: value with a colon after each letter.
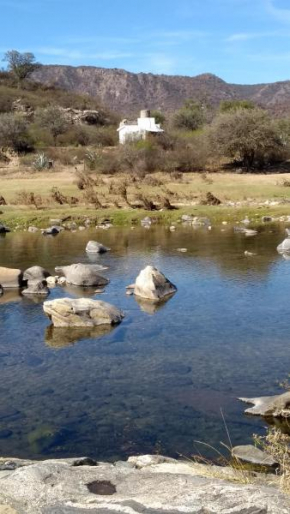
x: 127, y: 92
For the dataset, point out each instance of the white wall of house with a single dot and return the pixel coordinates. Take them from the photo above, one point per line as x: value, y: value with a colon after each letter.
x: 144, y: 126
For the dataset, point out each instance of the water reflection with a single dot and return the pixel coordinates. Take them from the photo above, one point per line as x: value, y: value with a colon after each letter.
x: 10, y: 295
x: 151, y: 306
x: 62, y: 337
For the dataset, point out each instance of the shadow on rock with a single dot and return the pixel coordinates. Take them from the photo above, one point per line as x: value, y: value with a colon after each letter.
x: 58, y: 337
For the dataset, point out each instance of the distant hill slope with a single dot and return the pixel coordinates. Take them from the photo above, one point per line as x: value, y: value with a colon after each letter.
x: 127, y: 92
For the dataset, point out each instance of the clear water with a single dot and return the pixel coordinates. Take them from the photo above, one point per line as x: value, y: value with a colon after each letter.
x: 158, y: 381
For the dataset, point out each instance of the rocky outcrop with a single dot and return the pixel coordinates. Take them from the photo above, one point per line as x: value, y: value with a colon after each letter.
x: 153, y: 285
x: 82, y: 312
x: 85, y: 275
x: 269, y: 406
x: 10, y: 278
x: 75, y: 486
x: 95, y: 247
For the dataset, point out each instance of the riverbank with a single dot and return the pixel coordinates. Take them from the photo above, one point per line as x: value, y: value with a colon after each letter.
x: 141, y: 484
x: 20, y: 218
x: 248, y: 195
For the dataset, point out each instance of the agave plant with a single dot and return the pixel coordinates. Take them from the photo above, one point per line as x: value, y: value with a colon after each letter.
x: 41, y: 162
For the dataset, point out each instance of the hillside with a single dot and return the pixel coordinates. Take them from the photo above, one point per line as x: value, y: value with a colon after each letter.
x: 127, y: 92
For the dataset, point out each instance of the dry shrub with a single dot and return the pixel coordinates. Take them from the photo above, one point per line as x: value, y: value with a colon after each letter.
x: 277, y: 444
x: 210, y: 200
x: 61, y: 199
x: 90, y: 196
x: 2, y: 200
x: 84, y: 181
x: 150, y: 180
x: 177, y: 176
x: 148, y: 205
x: 28, y: 198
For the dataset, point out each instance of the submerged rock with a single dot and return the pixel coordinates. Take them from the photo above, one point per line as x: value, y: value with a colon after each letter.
x: 10, y: 278
x: 81, y: 312
x: 252, y: 455
x: 95, y: 247
x: 85, y: 275
x: 153, y: 285
x: 269, y: 406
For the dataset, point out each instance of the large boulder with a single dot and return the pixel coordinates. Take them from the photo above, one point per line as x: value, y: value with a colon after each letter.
x: 35, y: 273
x: 153, y: 285
x: 95, y: 247
x: 86, y: 275
x: 10, y: 277
x: 81, y: 312
x: 269, y: 406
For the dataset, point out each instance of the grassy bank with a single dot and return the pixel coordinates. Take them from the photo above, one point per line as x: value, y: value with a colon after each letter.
x: 241, y: 195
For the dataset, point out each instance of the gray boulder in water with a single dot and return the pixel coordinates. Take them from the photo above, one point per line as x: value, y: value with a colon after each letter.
x: 81, y: 312
x: 85, y: 275
x: 284, y: 247
x: 36, y: 287
x: 269, y: 406
x: 95, y: 247
x: 35, y: 273
x: 153, y: 285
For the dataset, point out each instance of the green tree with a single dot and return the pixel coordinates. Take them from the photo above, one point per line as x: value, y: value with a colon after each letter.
x: 191, y: 116
x: 53, y: 119
x: 247, y: 136
x: 159, y: 117
x: 234, y: 105
x: 21, y: 65
x: 14, y: 133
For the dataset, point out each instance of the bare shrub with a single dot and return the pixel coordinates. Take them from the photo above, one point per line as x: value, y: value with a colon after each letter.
x: 90, y: 196
x: 28, y: 198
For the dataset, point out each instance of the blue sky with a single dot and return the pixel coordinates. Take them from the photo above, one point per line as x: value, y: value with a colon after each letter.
x: 242, y: 41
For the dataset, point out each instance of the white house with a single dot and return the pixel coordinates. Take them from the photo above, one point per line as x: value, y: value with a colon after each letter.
x: 135, y: 131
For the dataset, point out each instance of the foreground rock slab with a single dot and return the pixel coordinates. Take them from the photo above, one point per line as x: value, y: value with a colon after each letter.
x: 68, y: 487
x: 269, y: 406
x: 10, y: 278
x: 82, y: 312
x: 153, y: 285
x: 86, y: 275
